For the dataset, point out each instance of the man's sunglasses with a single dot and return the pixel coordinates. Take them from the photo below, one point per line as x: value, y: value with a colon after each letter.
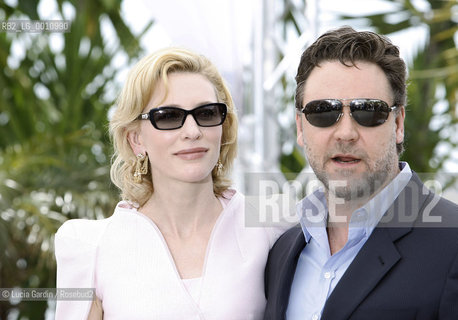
x: 170, y: 118
x: 366, y: 112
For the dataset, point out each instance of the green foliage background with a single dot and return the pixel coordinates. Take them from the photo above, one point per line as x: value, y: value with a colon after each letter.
x: 54, y: 149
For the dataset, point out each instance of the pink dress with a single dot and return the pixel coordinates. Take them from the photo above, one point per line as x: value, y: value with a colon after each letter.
x: 126, y: 259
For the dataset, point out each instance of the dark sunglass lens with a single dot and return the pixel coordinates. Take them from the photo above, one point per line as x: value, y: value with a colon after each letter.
x: 168, y: 118
x: 322, y: 113
x: 369, y: 113
x: 210, y: 115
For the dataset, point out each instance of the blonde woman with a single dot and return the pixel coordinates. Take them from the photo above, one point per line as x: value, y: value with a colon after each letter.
x: 176, y: 246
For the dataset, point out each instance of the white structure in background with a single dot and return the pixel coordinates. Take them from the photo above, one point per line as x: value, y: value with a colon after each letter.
x: 269, y: 119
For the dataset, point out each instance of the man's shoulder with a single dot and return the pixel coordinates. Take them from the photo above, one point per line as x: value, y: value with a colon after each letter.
x: 439, y: 212
x: 446, y: 204
x: 419, y: 205
x: 291, y: 241
x: 290, y: 235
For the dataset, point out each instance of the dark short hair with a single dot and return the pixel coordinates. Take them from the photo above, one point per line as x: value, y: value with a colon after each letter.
x: 349, y: 46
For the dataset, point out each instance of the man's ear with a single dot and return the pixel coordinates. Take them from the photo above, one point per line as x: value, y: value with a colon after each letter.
x: 300, y: 134
x: 135, y: 142
x: 399, y: 120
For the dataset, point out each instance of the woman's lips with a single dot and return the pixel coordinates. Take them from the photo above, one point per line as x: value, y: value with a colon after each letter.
x: 191, y: 154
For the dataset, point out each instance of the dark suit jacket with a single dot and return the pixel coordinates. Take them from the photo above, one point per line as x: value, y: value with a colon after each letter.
x: 407, y: 269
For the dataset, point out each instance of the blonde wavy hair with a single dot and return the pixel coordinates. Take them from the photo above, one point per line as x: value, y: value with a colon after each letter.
x: 141, y: 82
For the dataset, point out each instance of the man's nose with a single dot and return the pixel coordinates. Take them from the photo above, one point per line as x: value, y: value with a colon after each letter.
x: 346, y: 128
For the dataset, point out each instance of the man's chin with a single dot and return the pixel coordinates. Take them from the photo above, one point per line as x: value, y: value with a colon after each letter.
x: 355, y: 193
x: 354, y: 189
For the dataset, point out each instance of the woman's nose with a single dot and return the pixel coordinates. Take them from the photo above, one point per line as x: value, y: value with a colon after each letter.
x: 190, y: 128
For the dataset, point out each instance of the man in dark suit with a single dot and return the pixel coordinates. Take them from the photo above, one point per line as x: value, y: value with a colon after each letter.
x: 374, y: 242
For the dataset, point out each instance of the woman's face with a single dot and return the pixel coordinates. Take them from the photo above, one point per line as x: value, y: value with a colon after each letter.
x: 186, y: 154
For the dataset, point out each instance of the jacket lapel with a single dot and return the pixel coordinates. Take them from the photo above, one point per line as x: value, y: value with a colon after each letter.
x: 282, y: 268
x: 378, y: 255
x: 375, y: 259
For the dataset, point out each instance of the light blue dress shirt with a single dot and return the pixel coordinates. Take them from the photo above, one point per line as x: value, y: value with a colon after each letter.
x: 317, y: 272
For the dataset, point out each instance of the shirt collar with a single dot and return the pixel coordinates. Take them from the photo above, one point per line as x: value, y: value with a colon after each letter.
x: 313, y: 212
x: 370, y: 214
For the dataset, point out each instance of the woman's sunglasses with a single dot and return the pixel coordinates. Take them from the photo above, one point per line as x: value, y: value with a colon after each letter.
x: 170, y: 118
x: 366, y: 112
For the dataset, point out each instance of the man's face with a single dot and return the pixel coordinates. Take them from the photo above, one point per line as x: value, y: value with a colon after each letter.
x: 351, y: 160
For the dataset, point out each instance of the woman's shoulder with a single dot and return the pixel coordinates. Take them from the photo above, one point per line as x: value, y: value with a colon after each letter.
x: 75, y: 247
x: 89, y: 232
x: 84, y: 230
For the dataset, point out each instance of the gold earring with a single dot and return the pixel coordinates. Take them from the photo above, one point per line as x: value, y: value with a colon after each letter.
x: 219, y: 167
x: 141, y: 167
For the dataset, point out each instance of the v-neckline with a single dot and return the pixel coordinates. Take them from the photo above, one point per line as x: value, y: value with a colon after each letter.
x: 208, y: 251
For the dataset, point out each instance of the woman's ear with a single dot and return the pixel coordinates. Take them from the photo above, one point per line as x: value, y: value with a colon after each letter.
x: 135, y: 142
